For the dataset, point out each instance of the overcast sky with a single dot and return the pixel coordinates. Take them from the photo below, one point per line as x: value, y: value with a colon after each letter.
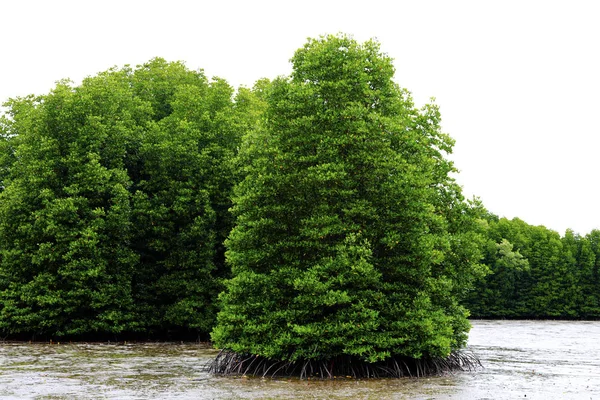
x: 518, y: 82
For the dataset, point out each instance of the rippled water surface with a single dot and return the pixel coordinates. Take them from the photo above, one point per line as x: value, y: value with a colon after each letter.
x: 522, y: 359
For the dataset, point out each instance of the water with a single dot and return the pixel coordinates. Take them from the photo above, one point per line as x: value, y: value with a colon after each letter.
x: 522, y: 359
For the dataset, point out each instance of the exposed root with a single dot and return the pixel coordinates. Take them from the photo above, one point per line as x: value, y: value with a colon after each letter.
x: 230, y: 363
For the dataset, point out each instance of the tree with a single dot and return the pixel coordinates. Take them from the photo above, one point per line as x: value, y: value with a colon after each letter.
x: 591, y: 286
x: 115, y: 203
x: 65, y: 227
x: 543, y: 275
x: 351, y: 239
x: 182, y: 195
x: 496, y: 294
x: 6, y: 148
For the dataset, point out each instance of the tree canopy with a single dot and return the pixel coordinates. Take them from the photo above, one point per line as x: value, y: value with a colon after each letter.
x: 536, y: 273
x: 114, y: 203
x: 351, y: 238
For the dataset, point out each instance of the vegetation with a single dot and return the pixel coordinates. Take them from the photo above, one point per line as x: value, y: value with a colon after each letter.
x: 536, y: 273
x: 317, y: 212
x: 114, y: 204
x: 351, y: 242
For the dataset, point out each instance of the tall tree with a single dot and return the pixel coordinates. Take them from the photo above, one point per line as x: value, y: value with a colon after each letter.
x: 182, y: 196
x: 65, y: 228
x: 347, y: 221
x: 115, y: 203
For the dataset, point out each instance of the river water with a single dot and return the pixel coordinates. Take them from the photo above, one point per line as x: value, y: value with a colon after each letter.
x: 522, y: 359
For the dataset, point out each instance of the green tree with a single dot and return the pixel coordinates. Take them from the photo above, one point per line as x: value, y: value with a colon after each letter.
x: 591, y: 275
x: 351, y: 239
x: 577, y: 268
x: 65, y: 225
x: 115, y: 203
x: 496, y: 295
x: 183, y: 195
x: 545, y: 275
x: 6, y: 148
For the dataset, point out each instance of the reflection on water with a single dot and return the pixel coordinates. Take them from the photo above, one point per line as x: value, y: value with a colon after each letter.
x: 522, y: 359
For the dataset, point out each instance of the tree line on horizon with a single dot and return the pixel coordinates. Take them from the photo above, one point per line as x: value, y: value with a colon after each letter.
x: 321, y: 205
x: 536, y: 273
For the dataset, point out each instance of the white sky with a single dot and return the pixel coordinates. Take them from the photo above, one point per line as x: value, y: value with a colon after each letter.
x: 518, y: 82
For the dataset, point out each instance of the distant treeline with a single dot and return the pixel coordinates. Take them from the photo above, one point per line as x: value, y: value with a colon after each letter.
x: 536, y: 273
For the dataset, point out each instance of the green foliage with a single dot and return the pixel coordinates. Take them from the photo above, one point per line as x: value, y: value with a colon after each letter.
x: 351, y: 238
x: 535, y: 273
x: 114, y: 203
x: 182, y: 197
x: 65, y: 217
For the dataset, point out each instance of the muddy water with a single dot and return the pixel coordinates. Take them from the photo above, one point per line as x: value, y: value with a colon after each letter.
x: 522, y: 359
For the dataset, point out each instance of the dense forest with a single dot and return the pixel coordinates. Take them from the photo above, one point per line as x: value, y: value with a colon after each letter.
x: 536, y: 273
x: 317, y: 212
x: 114, y: 203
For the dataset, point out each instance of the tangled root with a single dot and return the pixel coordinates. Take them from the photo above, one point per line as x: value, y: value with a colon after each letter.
x: 233, y: 364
